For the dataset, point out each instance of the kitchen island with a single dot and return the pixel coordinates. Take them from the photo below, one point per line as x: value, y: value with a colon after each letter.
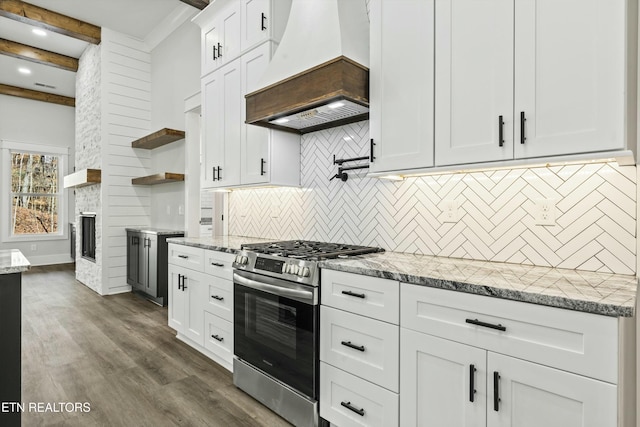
x: 12, y: 264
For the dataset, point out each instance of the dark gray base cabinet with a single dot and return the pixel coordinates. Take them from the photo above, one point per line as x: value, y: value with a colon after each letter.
x: 10, y: 355
x: 147, y: 264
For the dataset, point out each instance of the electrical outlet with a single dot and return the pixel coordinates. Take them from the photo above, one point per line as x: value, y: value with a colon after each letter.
x: 545, y: 212
x: 34, y: 247
x: 451, y: 211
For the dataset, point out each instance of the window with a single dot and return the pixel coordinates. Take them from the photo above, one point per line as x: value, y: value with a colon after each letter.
x: 34, y: 199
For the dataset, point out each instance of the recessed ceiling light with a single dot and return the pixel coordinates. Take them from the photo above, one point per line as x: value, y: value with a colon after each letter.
x: 23, y: 70
x: 39, y: 32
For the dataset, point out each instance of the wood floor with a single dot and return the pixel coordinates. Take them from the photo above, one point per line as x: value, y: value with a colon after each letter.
x: 118, y: 354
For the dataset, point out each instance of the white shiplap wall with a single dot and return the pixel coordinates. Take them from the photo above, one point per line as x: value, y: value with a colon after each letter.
x: 126, y: 106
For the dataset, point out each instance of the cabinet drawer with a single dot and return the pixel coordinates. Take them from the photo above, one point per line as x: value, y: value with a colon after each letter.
x: 365, y: 295
x: 362, y: 346
x: 218, y: 337
x: 346, y: 400
x: 220, y: 297
x: 569, y: 340
x: 219, y: 264
x: 186, y: 256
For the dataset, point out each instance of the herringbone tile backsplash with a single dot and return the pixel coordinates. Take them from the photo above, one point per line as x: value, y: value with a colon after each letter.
x: 596, y: 210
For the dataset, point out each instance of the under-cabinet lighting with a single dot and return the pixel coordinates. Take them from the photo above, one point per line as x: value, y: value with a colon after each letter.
x: 23, y: 70
x: 335, y: 105
x: 39, y: 32
x: 392, y: 177
x: 281, y: 121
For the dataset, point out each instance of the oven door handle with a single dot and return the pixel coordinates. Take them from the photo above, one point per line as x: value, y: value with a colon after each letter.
x: 296, y: 294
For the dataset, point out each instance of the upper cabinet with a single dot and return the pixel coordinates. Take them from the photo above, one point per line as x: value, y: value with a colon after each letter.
x: 221, y: 38
x: 510, y: 82
x: 401, y: 84
x: 236, y: 154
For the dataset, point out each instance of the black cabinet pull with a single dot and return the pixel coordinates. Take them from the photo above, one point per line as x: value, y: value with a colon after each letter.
x: 353, y: 294
x: 219, y: 298
x: 523, y: 120
x: 219, y: 50
x: 500, y: 131
x: 496, y: 391
x: 183, y: 256
x: 350, y: 407
x: 219, y: 169
x: 262, y: 162
x: 486, y: 325
x: 372, y: 157
x: 214, y: 53
x: 217, y: 264
x: 218, y: 338
x: 353, y: 346
x: 263, y: 26
x: 472, y: 383
x: 183, y: 285
x: 213, y: 173
x: 179, y: 281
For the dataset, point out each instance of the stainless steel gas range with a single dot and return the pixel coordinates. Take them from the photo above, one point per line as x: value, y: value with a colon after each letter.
x: 276, y: 312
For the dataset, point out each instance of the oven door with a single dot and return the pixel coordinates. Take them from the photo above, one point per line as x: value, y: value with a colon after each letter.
x: 275, y: 328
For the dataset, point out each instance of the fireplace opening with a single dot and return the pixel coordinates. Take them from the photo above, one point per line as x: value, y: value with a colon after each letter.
x: 88, y: 232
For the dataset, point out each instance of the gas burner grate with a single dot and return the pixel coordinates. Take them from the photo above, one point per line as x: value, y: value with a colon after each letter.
x: 310, y: 250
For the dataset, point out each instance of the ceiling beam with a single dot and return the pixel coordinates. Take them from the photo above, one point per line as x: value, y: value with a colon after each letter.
x: 37, y: 95
x: 40, y: 56
x: 198, y: 4
x: 49, y: 20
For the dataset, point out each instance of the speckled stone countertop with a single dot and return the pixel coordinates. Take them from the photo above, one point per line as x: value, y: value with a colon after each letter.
x: 229, y: 244
x: 12, y: 261
x: 599, y: 293
x: 152, y: 230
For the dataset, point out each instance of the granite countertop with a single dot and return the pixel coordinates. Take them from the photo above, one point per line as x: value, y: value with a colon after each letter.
x: 12, y: 261
x: 229, y: 244
x: 599, y: 293
x: 153, y: 230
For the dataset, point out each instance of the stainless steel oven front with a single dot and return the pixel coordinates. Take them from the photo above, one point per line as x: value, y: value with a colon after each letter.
x: 276, y: 344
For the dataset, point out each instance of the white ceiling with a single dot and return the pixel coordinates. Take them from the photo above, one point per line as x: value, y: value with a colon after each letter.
x: 136, y: 18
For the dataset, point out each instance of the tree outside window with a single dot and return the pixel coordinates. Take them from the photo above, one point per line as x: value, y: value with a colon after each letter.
x: 35, y: 193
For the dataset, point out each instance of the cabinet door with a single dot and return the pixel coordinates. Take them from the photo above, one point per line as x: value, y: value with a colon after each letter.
x: 569, y: 76
x: 474, y: 81
x: 151, y: 264
x: 232, y: 104
x: 401, y: 88
x: 255, y: 139
x: 196, y: 298
x: 435, y: 382
x: 532, y: 395
x: 176, y: 306
x: 132, y: 258
x: 212, y: 124
x: 256, y: 20
x: 229, y: 31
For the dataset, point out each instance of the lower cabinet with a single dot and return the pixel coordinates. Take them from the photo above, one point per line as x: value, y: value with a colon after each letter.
x: 201, y: 300
x: 445, y: 383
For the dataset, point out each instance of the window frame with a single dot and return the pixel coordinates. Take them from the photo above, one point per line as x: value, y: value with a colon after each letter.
x: 6, y: 147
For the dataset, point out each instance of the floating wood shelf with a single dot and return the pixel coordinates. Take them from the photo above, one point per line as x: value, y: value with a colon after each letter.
x: 83, y: 178
x: 158, y: 139
x: 159, y: 178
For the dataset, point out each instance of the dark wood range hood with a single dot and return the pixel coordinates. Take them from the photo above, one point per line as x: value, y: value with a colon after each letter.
x: 332, y: 94
x: 316, y: 78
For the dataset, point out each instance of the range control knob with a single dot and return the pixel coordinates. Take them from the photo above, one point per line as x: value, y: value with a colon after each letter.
x: 304, y: 272
x: 238, y: 258
x: 244, y: 260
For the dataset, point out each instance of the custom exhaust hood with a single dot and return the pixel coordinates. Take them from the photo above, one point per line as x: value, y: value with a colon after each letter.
x: 319, y: 76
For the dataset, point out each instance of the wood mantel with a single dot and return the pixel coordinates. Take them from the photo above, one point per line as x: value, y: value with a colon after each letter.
x: 83, y: 178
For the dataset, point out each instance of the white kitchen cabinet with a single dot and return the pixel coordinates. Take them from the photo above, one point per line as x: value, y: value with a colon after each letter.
x: 569, y: 76
x: 221, y: 37
x: 474, y: 81
x: 533, y: 365
x: 437, y: 379
x: 267, y: 156
x: 187, y: 297
x: 263, y: 20
x: 535, y: 395
x: 201, y: 300
x: 221, y: 115
x: 401, y: 84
